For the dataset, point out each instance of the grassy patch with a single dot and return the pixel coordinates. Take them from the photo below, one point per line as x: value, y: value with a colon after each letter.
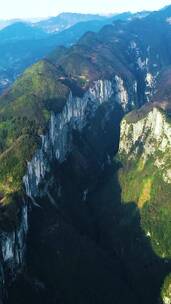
x: 145, y: 195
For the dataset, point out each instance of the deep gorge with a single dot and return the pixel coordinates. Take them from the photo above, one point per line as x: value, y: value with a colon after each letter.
x: 85, y: 171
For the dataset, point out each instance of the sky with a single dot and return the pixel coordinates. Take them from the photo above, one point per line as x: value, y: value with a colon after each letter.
x: 10, y: 9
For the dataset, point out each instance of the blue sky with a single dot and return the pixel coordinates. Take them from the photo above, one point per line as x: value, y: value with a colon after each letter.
x: 43, y: 8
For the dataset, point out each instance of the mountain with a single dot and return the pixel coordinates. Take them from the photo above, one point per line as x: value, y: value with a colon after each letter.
x: 85, y: 139
x: 20, y: 31
x: 22, y: 44
x: 5, y: 23
x: 149, y: 171
x: 66, y: 20
x: 145, y: 149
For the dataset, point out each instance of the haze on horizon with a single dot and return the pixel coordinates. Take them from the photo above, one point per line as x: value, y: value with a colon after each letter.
x: 24, y: 9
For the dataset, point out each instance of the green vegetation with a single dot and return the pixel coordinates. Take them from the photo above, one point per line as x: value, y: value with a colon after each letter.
x: 38, y: 89
x: 25, y: 110
x: 142, y: 183
x: 13, y: 163
x: 166, y: 290
x: 24, y: 114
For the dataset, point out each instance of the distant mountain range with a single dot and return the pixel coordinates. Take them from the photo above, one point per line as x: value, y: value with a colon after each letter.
x: 22, y: 44
x: 65, y: 20
x: 20, y: 31
x: 57, y: 23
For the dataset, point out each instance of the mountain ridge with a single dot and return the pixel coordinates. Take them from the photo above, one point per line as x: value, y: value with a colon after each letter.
x: 99, y: 220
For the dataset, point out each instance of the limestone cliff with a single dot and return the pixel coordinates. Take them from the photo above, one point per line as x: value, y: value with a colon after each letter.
x: 145, y: 149
x: 148, y: 137
x: 59, y: 124
x: 77, y: 112
x: 56, y: 144
x: 13, y: 250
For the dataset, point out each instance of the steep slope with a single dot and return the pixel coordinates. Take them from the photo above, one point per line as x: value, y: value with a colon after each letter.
x: 31, y: 99
x: 25, y: 111
x: 145, y: 176
x: 37, y: 118
x: 59, y: 130
x: 145, y: 143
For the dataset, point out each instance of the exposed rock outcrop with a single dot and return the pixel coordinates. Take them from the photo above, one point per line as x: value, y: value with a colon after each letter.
x: 149, y: 136
x: 56, y: 144
x: 145, y: 149
x: 13, y: 250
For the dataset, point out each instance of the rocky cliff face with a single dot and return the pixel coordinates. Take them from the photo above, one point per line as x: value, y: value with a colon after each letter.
x: 149, y: 137
x: 56, y: 144
x: 13, y: 250
x: 144, y: 151
x: 145, y: 147
x: 59, y: 131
